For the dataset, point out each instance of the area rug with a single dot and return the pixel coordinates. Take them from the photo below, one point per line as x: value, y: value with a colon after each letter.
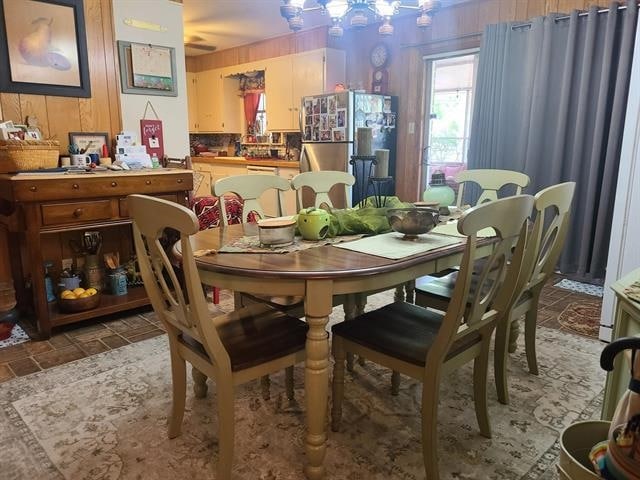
x: 104, y: 417
x: 582, y: 317
x: 581, y: 287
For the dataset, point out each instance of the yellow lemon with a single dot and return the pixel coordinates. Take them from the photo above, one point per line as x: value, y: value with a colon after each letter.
x: 78, y: 291
x: 84, y: 295
x: 91, y: 291
x: 65, y: 293
x: 70, y: 296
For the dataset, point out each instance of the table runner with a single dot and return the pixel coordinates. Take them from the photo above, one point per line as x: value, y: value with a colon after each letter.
x: 394, y: 246
x: 251, y: 244
x: 451, y: 229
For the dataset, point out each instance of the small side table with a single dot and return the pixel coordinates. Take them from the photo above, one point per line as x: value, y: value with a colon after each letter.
x: 379, y: 186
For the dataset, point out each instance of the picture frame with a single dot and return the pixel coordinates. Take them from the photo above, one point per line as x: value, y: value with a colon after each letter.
x: 147, y: 69
x: 83, y: 139
x: 276, y: 138
x: 43, y: 48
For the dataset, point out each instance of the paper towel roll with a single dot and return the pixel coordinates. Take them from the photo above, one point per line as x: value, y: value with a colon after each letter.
x: 382, y: 163
x: 364, y: 138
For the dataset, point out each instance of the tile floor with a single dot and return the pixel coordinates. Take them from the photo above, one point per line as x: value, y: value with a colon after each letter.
x: 89, y: 338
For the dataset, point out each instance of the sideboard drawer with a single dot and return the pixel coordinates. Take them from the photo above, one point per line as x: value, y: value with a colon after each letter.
x: 124, y: 208
x: 61, y: 213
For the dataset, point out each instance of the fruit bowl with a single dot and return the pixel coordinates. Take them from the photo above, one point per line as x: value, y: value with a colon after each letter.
x: 412, y: 221
x: 72, y: 305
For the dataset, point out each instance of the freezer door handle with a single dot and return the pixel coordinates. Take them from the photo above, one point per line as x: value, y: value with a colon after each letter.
x: 305, y: 166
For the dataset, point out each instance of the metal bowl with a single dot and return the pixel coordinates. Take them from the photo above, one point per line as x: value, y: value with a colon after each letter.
x: 276, y: 231
x: 412, y: 221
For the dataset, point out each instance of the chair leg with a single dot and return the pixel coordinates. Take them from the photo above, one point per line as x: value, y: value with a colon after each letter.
x: 339, y: 356
x: 226, y: 422
x: 265, y: 383
x: 395, y: 383
x: 349, y: 307
x: 199, y: 383
x: 179, y: 383
x: 530, y: 323
x: 500, y: 359
x: 480, y: 367
x: 514, y: 333
x: 288, y: 382
x: 361, y: 302
x: 430, y: 392
x: 216, y: 295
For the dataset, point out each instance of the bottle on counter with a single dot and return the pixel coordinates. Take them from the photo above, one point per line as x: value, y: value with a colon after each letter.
x: 48, y: 283
x: 155, y: 163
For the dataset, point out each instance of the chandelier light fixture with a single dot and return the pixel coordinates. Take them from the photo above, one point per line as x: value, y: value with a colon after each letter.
x: 359, y: 12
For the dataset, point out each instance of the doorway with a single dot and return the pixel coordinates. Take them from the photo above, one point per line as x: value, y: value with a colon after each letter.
x: 449, y: 88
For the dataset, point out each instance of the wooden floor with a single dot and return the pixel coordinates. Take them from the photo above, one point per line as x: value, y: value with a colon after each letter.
x: 90, y: 338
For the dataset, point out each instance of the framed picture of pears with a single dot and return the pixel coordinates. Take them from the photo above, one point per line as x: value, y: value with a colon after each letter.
x: 43, y: 48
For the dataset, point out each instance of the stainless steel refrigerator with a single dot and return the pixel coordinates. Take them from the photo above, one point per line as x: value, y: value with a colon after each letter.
x: 329, y: 123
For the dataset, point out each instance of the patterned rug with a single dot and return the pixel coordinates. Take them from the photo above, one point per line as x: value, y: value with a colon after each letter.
x: 104, y: 417
x: 582, y: 317
x: 18, y: 335
x: 581, y: 287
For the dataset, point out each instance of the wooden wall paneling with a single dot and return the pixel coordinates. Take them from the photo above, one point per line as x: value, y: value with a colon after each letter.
x: 35, y: 106
x: 488, y: 13
x: 507, y: 10
x: 112, y: 68
x: 64, y: 116
x: 191, y: 64
x: 95, y: 111
x: 535, y: 9
x: 11, y: 107
x: 1, y: 117
x: 551, y: 6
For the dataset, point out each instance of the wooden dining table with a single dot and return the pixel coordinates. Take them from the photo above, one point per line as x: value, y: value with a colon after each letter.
x: 316, y: 274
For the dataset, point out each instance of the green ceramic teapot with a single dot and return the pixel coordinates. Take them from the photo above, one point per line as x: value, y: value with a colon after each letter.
x: 313, y: 223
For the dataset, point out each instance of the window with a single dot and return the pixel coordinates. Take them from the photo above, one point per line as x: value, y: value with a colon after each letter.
x: 261, y: 116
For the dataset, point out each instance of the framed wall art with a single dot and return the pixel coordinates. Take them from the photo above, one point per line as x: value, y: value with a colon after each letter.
x: 43, y: 48
x: 147, y: 69
x: 89, y: 142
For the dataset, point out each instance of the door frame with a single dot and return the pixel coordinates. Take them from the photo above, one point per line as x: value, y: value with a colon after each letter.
x: 427, y: 79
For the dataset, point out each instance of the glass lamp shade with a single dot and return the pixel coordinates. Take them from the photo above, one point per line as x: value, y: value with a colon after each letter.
x: 439, y: 191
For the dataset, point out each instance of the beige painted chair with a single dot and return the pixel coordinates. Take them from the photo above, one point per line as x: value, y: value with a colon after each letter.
x: 250, y: 188
x: 321, y: 183
x: 425, y: 344
x: 546, y: 241
x: 229, y: 348
x: 490, y: 181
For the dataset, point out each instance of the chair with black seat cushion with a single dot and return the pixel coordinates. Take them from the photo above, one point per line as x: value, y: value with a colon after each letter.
x: 425, y: 344
x: 229, y: 348
x: 552, y: 206
x: 490, y: 181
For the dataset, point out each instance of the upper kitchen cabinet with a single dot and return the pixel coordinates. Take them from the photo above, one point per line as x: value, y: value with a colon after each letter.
x: 218, y: 104
x: 291, y: 77
x: 192, y: 101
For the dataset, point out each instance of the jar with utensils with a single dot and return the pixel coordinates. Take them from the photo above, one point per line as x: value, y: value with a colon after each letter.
x: 117, y: 274
x: 93, y: 269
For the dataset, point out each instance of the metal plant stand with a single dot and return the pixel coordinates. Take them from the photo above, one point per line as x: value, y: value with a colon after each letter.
x: 379, y: 186
x: 362, y: 170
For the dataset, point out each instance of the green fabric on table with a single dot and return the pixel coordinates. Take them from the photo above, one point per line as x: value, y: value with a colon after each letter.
x: 367, y: 219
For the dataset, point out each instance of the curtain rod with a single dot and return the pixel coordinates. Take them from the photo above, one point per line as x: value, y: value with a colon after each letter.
x: 567, y: 17
x: 441, y: 40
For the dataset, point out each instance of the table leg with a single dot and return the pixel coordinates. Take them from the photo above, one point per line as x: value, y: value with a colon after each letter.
x: 318, y: 305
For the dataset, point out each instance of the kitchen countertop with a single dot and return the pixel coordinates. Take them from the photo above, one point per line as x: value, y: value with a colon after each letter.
x: 265, y: 162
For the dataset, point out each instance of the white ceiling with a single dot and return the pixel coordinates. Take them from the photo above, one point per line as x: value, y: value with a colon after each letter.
x: 230, y: 23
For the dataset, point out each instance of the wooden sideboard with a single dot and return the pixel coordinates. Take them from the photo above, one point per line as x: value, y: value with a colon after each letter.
x: 626, y: 324
x: 41, y: 211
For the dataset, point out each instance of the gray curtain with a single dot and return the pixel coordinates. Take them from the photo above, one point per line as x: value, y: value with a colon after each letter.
x: 550, y: 102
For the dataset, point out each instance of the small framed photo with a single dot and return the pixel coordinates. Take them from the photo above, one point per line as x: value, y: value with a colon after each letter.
x: 89, y: 142
x: 33, y: 133
x: 12, y: 133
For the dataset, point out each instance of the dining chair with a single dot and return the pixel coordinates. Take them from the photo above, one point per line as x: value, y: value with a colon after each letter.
x: 546, y: 240
x: 230, y: 349
x: 426, y: 344
x: 321, y: 183
x: 250, y: 188
x: 490, y: 181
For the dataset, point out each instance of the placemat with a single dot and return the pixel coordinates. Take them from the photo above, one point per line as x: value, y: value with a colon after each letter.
x: 394, y: 246
x: 251, y: 244
x: 451, y: 228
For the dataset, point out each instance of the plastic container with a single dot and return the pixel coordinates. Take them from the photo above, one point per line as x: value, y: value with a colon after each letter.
x: 576, y: 441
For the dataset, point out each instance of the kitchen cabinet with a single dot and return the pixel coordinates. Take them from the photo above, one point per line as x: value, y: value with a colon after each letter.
x: 291, y: 77
x: 192, y: 101
x: 218, y: 104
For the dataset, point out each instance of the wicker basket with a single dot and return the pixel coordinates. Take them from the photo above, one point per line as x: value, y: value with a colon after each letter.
x: 18, y: 155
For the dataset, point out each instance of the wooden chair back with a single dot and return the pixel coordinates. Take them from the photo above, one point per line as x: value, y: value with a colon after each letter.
x: 490, y: 181
x: 180, y: 311
x: 321, y: 183
x: 479, y: 302
x: 552, y: 205
x: 250, y: 188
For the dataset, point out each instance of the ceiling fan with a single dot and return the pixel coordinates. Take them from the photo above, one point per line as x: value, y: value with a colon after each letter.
x: 192, y: 41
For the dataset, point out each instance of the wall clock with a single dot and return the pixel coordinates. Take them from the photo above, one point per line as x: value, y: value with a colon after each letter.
x: 379, y: 55
x: 380, y: 81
